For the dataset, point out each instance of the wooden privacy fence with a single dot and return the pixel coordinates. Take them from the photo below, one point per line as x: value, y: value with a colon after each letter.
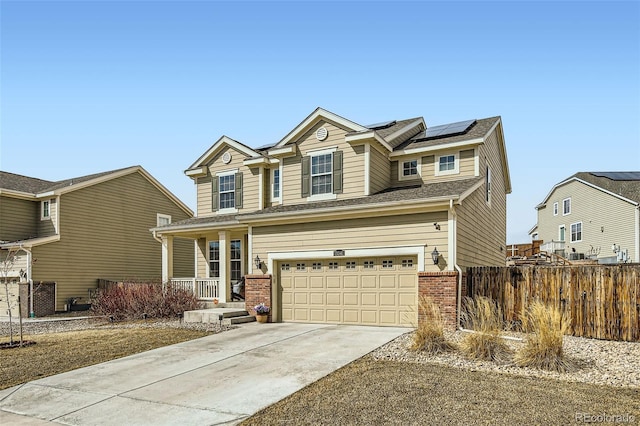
x: 603, y: 301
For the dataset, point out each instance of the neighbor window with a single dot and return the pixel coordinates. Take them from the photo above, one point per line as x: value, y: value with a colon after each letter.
x: 163, y: 219
x: 227, y: 191
x: 409, y: 169
x: 447, y: 165
x: 276, y: 184
x: 576, y: 232
x: 561, y: 232
x: 555, y: 208
x: 46, y: 209
x: 566, y: 206
x: 321, y: 166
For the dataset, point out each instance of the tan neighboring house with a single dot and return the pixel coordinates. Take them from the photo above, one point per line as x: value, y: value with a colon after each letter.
x: 343, y: 217
x: 592, y: 215
x: 76, y: 231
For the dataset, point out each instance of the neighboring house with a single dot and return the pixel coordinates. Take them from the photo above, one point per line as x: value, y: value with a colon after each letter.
x: 93, y: 227
x: 345, y: 216
x: 592, y: 215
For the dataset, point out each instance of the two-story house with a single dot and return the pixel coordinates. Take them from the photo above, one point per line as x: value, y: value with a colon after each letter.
x: 344, y: 216
x: 592, y: 215
x: 76, y: 231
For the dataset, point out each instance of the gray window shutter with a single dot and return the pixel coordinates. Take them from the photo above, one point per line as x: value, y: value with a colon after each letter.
x: 238, y: 190
x: 215, y: 204
x: 306, y: 176
x: 337, y: 172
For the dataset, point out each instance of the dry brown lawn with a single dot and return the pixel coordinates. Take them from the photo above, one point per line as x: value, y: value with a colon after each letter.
x: 59, y: 352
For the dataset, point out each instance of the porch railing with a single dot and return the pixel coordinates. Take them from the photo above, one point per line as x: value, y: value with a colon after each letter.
x: 203, y: 288
x: 553, y: 246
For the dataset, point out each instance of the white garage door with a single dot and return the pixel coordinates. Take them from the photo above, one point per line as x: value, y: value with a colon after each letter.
x: 375, y: 291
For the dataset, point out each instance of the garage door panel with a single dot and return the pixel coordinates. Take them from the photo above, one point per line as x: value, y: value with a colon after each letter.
x: 374, y: 291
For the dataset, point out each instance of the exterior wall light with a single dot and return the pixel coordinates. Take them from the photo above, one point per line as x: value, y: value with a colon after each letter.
x: 435, y: 256
x: 257, y: 262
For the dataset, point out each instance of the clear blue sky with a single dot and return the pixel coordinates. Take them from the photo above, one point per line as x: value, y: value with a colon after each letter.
x: 93, y: 86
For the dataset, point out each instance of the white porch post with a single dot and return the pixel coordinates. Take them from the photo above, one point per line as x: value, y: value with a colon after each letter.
x: 225, y: 264
x: 167, y: 258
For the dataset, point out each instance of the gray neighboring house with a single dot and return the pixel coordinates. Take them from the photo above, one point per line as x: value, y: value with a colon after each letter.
x: 76, y: 231
x: 592, y: 215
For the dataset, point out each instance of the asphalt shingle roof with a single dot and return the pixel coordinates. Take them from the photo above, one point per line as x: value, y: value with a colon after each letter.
x: 626, y: 188
x: 31, y: 185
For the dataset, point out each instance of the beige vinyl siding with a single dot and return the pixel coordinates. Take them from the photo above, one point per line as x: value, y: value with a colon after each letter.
x: 47, y: 226
x: 379, y: 171
x: 389, y: 231
x: 112, y: 241
x: 605, y: 220
x: 482, y: 227
x: 352, y: 166
x: 183, y: 265
x: 250, y: 182
x: 201, y: 258
x: 18, y: 218
x: 467, y: 163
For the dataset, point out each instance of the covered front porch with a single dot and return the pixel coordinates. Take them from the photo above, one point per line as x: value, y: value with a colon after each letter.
x: 222, y: 258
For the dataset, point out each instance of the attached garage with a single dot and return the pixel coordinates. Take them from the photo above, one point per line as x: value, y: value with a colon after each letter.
x: 367, y: 291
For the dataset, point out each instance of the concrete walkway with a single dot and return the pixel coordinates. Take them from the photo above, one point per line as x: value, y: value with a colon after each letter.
x: 218, y: 379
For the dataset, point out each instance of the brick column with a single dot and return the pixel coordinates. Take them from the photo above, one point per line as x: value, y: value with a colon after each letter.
x: 442, y: 288
x: 257, y: 289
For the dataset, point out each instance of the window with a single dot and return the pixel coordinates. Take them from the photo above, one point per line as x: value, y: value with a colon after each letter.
x: 235, y: 260
x: 163, y: 219
x: 333, y: 266
x: 276, y: 184
x: 487, y: 182
x: 410, y: 169
x: 407, y: 263
x: 227, y: 192
x: 321, y: 166
x: 301, y: 266
x: 561, y: 231
x: 285, y: 267
x: 322, y: 174
x: 447, y: 165
x: 576, y: 232
x: 316, y: 266
x: 566, y: 206
x: 555, y: 208
x: 350, y: 265
x: 46, y: 209
x: 214, y: 259
x: 368, y: 264
x: 387, y: 264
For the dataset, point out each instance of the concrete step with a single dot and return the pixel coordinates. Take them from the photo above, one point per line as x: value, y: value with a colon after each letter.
x: 211, y: 305
x: 241, y: 320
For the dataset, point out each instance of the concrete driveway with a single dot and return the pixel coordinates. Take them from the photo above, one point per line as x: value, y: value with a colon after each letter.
x: 218, y: 379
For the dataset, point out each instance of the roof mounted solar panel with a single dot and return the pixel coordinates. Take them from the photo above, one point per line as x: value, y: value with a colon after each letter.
x: 459, y: 127
x: 382, y: 125
x: 618, y: 175
x: 263, y: 147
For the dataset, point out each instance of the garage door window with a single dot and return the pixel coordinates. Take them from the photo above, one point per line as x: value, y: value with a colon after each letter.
x: 369, y: 264
x: 333, y: 266
x: 285, y: 267
x: 387, y: 264
x: 317, y: 266
x: 407, y: 263
x: 350, y: 266
x: 301, y: 267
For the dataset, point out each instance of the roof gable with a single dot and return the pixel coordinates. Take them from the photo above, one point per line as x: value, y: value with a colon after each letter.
x: 625, y: 189
x: 220, y: 143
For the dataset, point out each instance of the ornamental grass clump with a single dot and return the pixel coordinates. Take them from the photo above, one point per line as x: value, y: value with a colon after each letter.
x: 429, y: 335
x: 484, y: 317
x: 543, y: 348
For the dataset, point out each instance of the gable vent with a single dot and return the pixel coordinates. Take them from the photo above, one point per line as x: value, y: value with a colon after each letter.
x: 321, y: 134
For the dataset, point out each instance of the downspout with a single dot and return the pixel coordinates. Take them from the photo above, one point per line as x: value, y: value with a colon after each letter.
x: 30, y: 278
x: 454, y: 241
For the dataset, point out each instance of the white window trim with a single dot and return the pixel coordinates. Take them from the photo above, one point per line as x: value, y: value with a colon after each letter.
x: 314, y: 153
x: 563, y: 213
x: 162, y: 216
x: 273, y: 172
x: 410, y: 177
x: 42, y: 210
x: 456, y: 165
x: 571, y: 232
x: 219, y: 175
x: 555, y: 208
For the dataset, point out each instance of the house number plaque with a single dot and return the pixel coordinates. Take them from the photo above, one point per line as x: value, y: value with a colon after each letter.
x: 338, y: 252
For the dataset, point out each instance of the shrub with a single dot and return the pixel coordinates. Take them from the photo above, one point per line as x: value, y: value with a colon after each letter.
x: 429, y: 335
x: 143, y: 300
x: 484, y: 317
x: 543, y: 347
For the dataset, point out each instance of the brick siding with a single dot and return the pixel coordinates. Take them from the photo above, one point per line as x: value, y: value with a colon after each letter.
x: 257, y: 289
x: 442, y: 288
